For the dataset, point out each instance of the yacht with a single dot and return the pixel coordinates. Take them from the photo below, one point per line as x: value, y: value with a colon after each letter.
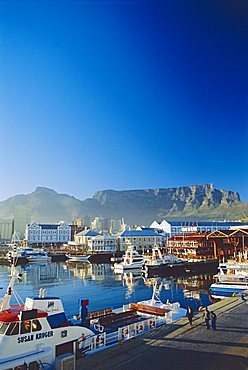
x: 30, y: 254
x: 131, y: 260
x: 231, y: 279
x: 156, y: 258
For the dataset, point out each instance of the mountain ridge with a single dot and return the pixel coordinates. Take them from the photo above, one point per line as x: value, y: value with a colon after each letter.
x: 138, y: 206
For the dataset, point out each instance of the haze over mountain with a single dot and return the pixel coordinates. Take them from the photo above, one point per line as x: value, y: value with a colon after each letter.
x: 195, y: 202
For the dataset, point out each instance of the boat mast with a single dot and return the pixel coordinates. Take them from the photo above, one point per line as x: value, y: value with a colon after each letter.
x: 5, y: 301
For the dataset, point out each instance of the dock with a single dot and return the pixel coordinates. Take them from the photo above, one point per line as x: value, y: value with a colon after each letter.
x: 179, y: 346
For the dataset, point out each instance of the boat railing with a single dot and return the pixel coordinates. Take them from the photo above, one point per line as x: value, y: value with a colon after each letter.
x: 101, y: 340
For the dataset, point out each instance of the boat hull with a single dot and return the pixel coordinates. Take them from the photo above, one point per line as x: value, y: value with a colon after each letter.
x: 222, y: 289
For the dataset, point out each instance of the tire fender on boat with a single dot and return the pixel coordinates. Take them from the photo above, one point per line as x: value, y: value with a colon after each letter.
x: 124, y: 332
x: 152, y: 323
x: 139, y: 328
x: 99, y: 340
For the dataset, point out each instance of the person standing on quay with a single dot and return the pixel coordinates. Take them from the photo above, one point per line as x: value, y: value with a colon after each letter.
x: 206, y: 316
x: 190, y: 314
x: 213, y: 320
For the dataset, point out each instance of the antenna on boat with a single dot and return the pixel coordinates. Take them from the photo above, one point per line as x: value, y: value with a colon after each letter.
x: 156, y: 292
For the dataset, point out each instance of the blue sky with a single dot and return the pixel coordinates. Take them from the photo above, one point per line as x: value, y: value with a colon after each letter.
x: 123, y: 95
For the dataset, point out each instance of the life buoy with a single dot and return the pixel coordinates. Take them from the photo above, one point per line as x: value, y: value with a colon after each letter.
x: 139, y: 328
x: 124, y: 332
x: 152, y: 323
x: 99, y: 340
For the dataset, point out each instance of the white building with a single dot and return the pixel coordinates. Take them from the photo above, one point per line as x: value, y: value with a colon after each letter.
x: 83, y: 237
x: 6, y: 229
x: 100, y: 224
x: 117, y: 226
x: 102, y: 243
x: 172, y: 228
x: 47, y: 233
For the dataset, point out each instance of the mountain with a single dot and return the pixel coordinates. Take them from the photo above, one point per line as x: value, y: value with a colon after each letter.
x: 45, y: 206
x: 195, y: 202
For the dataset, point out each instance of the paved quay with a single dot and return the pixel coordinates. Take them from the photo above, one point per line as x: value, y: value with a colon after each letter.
x: 182, y: 347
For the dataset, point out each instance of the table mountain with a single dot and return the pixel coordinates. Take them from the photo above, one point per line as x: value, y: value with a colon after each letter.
x: 195, y: 202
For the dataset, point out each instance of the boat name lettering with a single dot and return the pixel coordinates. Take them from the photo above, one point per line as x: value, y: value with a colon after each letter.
x: 46, y: 334
x: 28, y: 338
x: 25, y: 338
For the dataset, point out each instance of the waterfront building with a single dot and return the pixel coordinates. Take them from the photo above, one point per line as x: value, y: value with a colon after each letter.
x: 172, y: 228
x: 230, y: 243
x: 47, y: 234
x: 102, y: 243
x: 192, y: 245
x: 22, y: 217
x: 141, y: 239
x: 220, y: 244
x: 6, y: 229
x: 83, y: 237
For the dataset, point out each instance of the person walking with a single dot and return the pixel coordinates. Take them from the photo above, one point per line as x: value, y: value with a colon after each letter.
x: 206, y: 316
x: 213, y: 319
x: 190, y: 314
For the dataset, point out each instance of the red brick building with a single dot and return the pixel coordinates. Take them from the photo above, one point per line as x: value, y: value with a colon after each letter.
x: 193, y: 245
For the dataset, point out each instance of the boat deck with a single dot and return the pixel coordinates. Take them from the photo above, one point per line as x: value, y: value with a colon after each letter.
x: 183, y: 347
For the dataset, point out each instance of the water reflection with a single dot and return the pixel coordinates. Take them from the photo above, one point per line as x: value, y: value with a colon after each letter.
x: 131, y: 279
x: 98, y: 283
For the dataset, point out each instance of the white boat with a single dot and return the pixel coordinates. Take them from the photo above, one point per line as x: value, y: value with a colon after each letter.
x: 156, y: 258
x: 30, y: 254
x: 231, y: 279
x: 37, y: 332
x: 78, y: 257
x: 155, y: 307
x: 131, y: 260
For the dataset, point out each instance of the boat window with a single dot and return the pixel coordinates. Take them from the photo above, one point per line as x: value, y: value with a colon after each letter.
x: 36, y: 326
x: 13, y: 328
x: 25, y: 326
x: 3, y: 326
x: 21, y: 367
x: 33, y: 365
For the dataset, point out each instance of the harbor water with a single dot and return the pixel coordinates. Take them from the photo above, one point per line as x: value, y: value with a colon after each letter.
x: 104, y: 288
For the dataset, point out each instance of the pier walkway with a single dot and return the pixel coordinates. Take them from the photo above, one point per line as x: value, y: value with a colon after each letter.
x: 182, y: 347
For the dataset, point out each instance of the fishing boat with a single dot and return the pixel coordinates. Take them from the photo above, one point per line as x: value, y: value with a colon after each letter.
x: 156, y: 258
x: 231, y: 279
x: 155, y: 307
x: 78, y: 257
x: 37, y: 332
x: 131, y: 260
x: 29, y: 254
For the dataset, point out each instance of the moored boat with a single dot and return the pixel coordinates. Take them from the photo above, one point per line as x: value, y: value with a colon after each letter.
x: 36, y: 332
x: 231, y: 279
x: 156, y: 258
x: 131, y: 260
x: 78, y: 257
x: 29, y: 254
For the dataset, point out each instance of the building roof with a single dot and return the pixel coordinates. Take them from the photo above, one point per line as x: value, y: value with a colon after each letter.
x: 88, y: 233
x: 144, y: 232
x: 206, y: 224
